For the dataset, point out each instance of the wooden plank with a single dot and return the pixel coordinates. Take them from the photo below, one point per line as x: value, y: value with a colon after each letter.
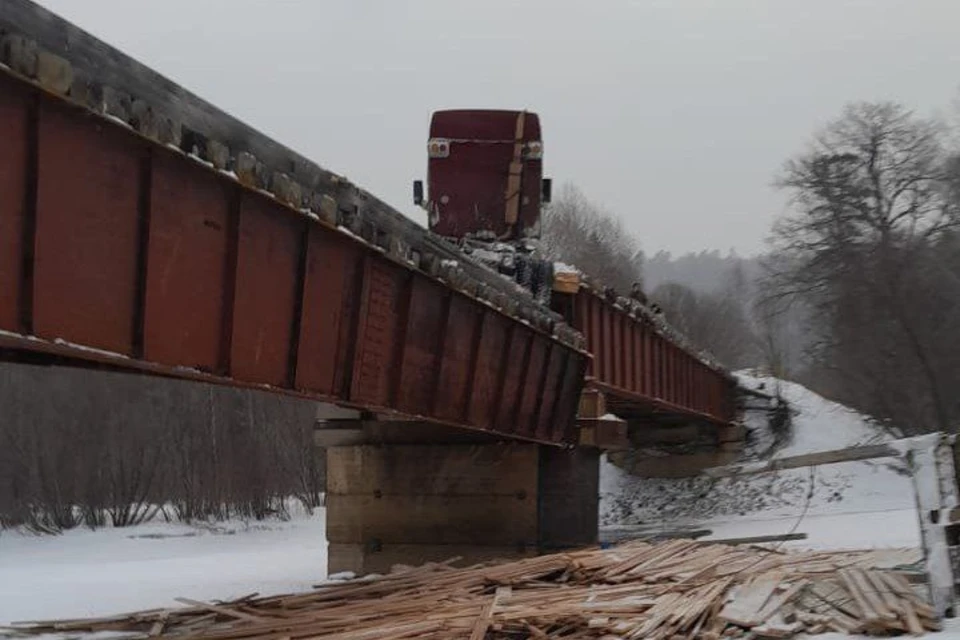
x: 777, y: 602
x: 851, y: 454
x: 759, y: 539
x: 483, y: 621
x: 664, y: 591
x: 913, y: 622
x: 225, y: 611
x: 867, y: 613
x: 604, y: 434
x: 566, y: 282
x: 593, y: 404
x: 747, y: 604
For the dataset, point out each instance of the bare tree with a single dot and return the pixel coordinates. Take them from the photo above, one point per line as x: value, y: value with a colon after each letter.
x: 91, y: 448
x: 870, y: 200
x: 716, y: 322
x: 582, y: 234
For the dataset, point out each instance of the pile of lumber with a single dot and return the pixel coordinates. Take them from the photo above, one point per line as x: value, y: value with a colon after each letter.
x: 675, y: 589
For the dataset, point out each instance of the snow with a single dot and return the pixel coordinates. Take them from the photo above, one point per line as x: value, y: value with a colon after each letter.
x: 105, y: 572
x: 79, y: 347
x: 828, y: 503
x: 560, y: 267
x: 821, y: 425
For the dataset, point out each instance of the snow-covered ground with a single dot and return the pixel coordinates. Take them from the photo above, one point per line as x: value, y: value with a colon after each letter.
x: 95, y: 573
x: 852, y: 504
x: 83, y: 573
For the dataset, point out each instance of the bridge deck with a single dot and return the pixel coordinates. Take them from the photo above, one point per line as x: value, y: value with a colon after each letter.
x: 118, y: 250
x: 647, y: 376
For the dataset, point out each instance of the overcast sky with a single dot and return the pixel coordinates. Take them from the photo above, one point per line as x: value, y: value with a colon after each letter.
x: 674, y: 114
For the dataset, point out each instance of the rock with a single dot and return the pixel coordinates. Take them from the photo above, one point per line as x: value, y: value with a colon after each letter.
x: 117, y: 103
x: 143, y: 119
x: 251, y: 171
x: 54, y: 73
x: 286, y: 190
x: 219, y: 154
x: 19, y: 53
x: 326, y: 208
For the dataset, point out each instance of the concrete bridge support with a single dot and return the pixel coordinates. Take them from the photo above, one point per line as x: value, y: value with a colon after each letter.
x: 409, y: 493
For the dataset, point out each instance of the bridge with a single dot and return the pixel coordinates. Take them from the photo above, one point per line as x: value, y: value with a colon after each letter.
x: 144, y: 230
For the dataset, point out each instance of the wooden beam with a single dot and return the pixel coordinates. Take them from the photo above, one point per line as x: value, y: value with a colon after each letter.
x: 593, y: 404
x: 870, y: 452
x: 603, y: 433
x: 758, y: 539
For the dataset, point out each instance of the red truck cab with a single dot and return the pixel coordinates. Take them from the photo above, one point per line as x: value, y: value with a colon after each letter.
x: 484, y: 174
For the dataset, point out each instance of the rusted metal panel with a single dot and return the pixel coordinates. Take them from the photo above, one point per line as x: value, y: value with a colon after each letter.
x: 564, y: 424
x: 512, y: 375
x: 627, y: 329
x: 331, y: 302
x: 636, y: 362
x: 14, y: 169
x: 596, y: 333
x: 186, y: 265
x: 460, y: 349
x: 489, y: 370
x: 85, y: 267
x: 672, y: 361
x: 615, y: 351
x: 552, y: 383
x: 147, y: 260
x: 531, y: 388
x: 420, y: 362
x: 606, y: 351
x: 379, y: 333
x: 269, y: 243
x: 467, y: 199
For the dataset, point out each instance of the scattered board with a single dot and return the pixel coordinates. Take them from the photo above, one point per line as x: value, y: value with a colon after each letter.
x: 667, y: 591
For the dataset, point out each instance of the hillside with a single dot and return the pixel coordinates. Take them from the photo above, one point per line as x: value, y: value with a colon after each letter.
x: 793, y: 500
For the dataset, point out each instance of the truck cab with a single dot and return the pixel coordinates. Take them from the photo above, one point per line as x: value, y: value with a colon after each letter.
x: 484, y: 175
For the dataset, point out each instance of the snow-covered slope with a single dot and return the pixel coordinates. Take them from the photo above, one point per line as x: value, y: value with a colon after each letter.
x: 820, y: 424
x: 782, y: 498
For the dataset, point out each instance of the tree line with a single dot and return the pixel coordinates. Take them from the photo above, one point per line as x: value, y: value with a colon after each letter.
x: 84, y: 448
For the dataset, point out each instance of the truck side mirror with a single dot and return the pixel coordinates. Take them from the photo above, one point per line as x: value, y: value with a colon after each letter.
x: 418, y: 192
x: 546, y: 189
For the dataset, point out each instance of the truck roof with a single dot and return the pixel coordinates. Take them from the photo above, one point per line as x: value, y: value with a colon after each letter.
x: 482, y: 124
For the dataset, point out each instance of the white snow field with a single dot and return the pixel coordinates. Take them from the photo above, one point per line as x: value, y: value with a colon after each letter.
x: 851, y: 504
x: 96, y: 573
x: 83, y: 573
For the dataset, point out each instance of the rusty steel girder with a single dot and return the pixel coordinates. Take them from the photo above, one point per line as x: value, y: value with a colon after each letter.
x: 643, y: 371
x: 120, y: 250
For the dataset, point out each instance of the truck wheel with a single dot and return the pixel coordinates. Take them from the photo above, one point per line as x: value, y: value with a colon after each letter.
x: 523, y: 275
x: 544, y: 283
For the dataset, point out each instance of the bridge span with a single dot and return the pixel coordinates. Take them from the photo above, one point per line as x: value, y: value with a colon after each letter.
x: 144, y: 230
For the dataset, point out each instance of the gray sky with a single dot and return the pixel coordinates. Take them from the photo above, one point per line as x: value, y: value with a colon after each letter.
x: 675, y: 115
